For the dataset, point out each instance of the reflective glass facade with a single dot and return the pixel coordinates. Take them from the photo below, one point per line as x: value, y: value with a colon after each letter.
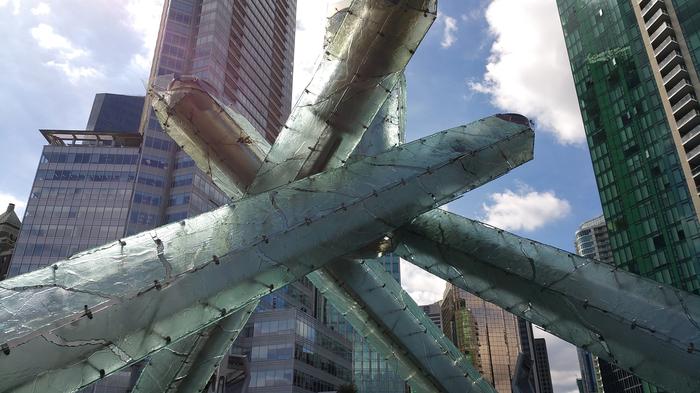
x: 640, y: 171
x: 634, y: 64
x: 79, y: 199
x: 115, y: 112
x: 245, y: 51
x: 294, y: 342
x: 486, y: 333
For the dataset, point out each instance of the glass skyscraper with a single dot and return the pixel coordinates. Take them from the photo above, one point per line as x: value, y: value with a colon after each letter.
x: 635, y: 68
x: 598, y: 375
x: 244, y: 50
x: 635, y: 77
x: 486, y: 333
x: 542, y: 360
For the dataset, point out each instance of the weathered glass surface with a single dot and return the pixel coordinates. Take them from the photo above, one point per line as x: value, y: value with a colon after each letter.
x: 370, y: 45
x: 113, y: 305
x: 382, y: 312
x: 222, y: 142
x: 179, y: 113
x: 648, y: 328
x: 187, y: 365
x: 388, y: 127
x: 385, y: 132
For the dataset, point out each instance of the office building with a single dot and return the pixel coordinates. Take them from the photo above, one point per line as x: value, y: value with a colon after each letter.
x: 81, y: 192
x: 542, y: 363
x: 10, y: 226
x: 527, y: 353
x: 591, y: 379
x: 635, y: 72
x: 488, y: 335
x: 598, y: 375
x: 244, y: 50
x: 635, y: 69
x: 434, y: 313
x: 592, y: 240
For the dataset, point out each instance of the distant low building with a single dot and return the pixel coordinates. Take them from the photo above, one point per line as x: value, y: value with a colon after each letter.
x: 9, y: 230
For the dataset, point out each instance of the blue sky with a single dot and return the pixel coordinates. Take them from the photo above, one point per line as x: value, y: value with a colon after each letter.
x: 480, y: 58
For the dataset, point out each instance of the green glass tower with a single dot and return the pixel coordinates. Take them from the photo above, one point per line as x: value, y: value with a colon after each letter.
x: 635, y: 65
x: 636, y: 80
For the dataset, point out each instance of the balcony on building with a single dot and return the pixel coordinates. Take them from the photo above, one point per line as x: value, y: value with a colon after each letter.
x: 685, y: 104
x: 679, y: 91
x: 665, y: 48
x: 688, y: 122
x: 656, y: 19
x: 677, y: 74
x: 673, y: 59
x: 691, y: 140
x: 650, y: 7
x: 694, y: 160
x: 664, y: 31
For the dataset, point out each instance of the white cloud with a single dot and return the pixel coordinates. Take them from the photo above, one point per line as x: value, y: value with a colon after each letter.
x: 525, y: 209
x: 47, y: 38
x: 66, y: 52
x: 424, y: 288
x: 144, y: 19
x: 448, y: 32
x: 528, y: 70
x: 6, y: 199
x: 41, y: 9
x: 74, y: 73
x: 15, y: 5
x: 308, y: 45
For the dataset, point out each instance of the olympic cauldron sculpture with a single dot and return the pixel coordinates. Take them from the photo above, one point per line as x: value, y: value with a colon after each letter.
x: 336, y: 189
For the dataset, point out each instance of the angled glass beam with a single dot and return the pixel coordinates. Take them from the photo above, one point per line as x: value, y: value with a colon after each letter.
x: 222, y: 143
x: 111, y: 306
x: 385, y: 132
x: 409, y: 355
x: 226, y: 146
x: 185, y: 109
x: 388, y: 127
x: 370, y: 46
x: 382, y: 312
x: 178, y: 114
x: 187, y: 365
x: 648, y: 328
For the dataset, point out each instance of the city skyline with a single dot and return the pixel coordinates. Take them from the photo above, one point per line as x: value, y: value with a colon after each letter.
x: 522, y: 188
